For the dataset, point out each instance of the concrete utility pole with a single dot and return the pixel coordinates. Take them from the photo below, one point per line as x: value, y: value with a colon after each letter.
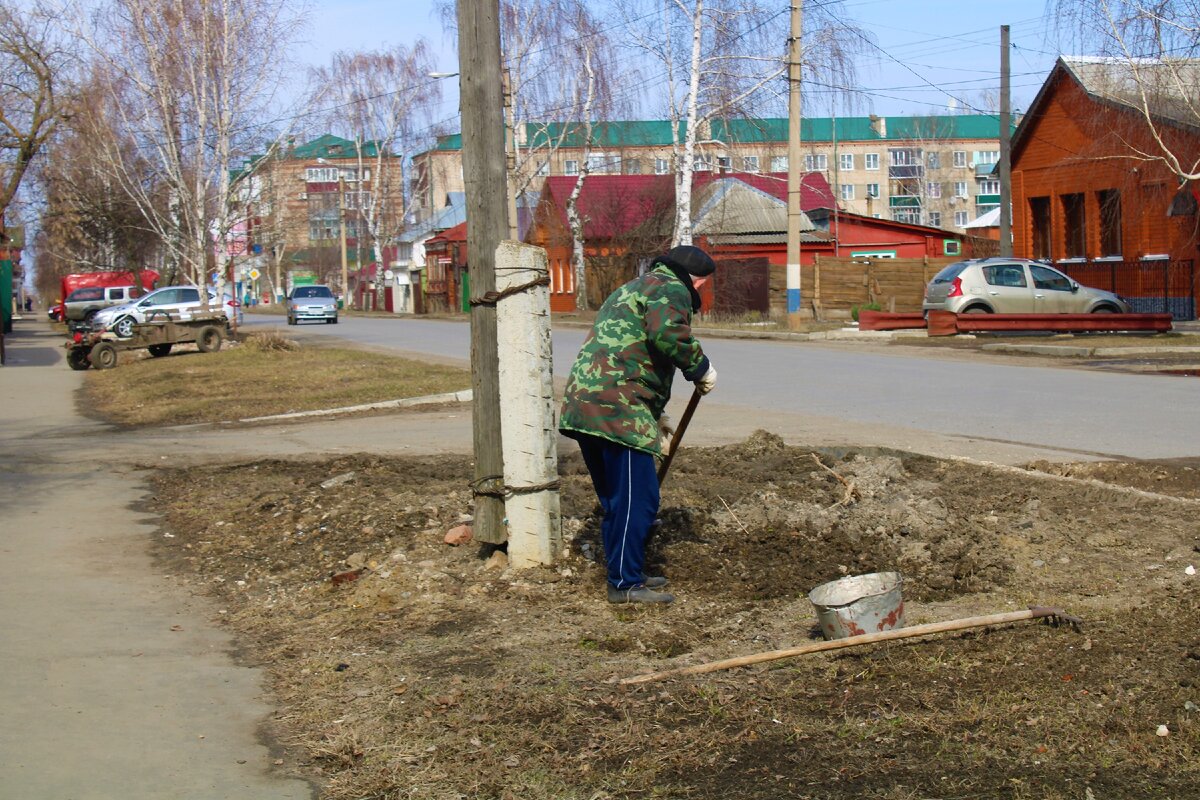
x: 342, y: 238
x: 484, y: 170
x: 527, y: 405
x: 794, y: 172
x: 1006, y: 248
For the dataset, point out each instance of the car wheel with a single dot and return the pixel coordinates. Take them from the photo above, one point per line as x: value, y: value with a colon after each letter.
x: 123, y: 328
x: 977, y: 310
x: 160, y: 350
x: 103, y: 355
x: 334, y: 320
x: 77, y: 358
x: 209, y: 339
x: 1104, y: 310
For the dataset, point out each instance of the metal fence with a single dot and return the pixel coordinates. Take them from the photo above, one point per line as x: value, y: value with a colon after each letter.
x: 1159, y: 286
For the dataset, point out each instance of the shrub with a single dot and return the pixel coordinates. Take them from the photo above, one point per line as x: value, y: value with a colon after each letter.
x: 868, y: 307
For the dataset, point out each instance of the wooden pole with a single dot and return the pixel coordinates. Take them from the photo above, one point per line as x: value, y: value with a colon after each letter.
x: 1006, y: 248
x: 678, y: 437
x: 482, y: 102
x: 527, y: 405
x: 1035, y: 612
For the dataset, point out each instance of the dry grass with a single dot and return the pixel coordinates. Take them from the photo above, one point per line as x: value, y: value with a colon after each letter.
x: 269, y: 374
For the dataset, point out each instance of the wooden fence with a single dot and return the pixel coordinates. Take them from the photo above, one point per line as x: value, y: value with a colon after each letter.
x: 831, y: 287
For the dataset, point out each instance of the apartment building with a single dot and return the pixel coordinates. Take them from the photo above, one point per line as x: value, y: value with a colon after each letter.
x: 925, y: 170
x: 294, y: 197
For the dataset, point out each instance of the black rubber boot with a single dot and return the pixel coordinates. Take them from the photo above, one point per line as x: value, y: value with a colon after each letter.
x: 638, y: 594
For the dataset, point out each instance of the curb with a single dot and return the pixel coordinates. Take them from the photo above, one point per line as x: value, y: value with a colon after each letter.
x: 1085, y: 352
x: 431, y: 399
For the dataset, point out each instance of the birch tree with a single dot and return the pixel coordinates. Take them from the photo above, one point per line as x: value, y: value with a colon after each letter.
x: 188, y: 80
x: 385, y: 100
x: 1153, y: 68
x: 33, y: 64
x: 726, y: 58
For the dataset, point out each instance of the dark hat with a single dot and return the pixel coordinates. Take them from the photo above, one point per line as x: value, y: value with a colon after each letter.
x: 691, y: 260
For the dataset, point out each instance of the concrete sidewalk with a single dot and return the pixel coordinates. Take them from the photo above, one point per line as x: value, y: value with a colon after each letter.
x: 117, y: 684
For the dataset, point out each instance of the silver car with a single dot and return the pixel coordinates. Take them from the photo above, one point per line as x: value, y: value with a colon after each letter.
x: 170, y: 302
x: 1014, y: 286
x: 312, y: 302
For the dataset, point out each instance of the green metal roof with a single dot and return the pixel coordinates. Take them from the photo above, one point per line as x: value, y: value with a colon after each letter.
x: 860, y: 129
x: 330, y: 146
x: 812, y: 129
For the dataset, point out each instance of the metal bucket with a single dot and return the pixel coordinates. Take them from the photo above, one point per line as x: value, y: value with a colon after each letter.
x: 859, y: 604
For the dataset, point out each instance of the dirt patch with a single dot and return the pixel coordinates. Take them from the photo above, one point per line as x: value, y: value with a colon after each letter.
x: 405, y: 667
x: 1178, y: 480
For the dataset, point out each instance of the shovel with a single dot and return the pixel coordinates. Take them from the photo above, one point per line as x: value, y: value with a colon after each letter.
x: 678, y: 437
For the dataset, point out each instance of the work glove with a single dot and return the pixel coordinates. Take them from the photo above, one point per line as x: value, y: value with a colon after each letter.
x: 666, y: 429
x: 708, y: 381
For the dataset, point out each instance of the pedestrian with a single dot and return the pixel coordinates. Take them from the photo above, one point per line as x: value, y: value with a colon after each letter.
x: 615, y: 402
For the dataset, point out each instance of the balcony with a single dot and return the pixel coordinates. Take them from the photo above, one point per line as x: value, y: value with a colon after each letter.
x: 906, y: 171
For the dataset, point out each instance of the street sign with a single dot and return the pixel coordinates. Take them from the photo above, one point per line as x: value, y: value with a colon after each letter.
x: 254, y: 274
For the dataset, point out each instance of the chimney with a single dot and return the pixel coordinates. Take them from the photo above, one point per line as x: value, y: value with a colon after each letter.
x: 879, y: 125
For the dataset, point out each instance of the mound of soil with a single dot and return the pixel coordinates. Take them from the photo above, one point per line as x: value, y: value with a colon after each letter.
x: 405, y: 667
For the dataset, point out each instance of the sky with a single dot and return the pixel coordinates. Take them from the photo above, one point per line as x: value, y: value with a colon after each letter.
x: 921, y: 44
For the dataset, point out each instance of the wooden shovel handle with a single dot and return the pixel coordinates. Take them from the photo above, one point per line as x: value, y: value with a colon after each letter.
x: 1034, y: 612
x: 678, y: 437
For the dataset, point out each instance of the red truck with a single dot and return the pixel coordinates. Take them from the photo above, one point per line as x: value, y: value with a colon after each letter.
x: 81, y: 280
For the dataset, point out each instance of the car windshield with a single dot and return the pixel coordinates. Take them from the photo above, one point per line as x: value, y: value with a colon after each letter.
x: 950, y: 273
x: 312, y: 291
x: 86, y: 294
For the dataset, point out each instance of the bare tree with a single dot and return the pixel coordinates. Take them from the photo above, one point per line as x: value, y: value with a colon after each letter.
x: 1152, y: 67
x: 32, y: 71
x: 384, y: 100
x: 188, y: 80
x: 725, y: 58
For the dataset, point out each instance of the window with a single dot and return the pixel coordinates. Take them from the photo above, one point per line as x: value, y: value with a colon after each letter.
x: 960, y: 219
x: 604, y: 163
x: 779, y: 163
x: 661, y: 165
x: 989, y: 187
x: 723, y: 163
x: 701, y: 164
x: 910, y: 215
x: 1046, y: 278
x: 951, y: 247
x: 871, y: 161
x: 543, y: 169
x: 1039, y: 216
x: 321, y: 174
x: 816, y: 162
x: 87, y: 293
x: 935, y: 219
x: 846, y: 161
x: 933, y: 160
x: 960, y: 188
x: 632, y: 166
x: 933, y: 189
x: 750, y: 163
x: 570, y: 167
x: 960, y: 158
x: 847, y: 191
x: 1011, y: 275
x: 358, y: 199
x: 905, y: 157
x: 1109, y: 201
x: 1074, y: 225
x: 986, y: 157
x: 872, y: 190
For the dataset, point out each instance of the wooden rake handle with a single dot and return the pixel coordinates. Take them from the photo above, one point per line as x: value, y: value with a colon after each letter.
x: 1034, y: 612
x: 678, y: 437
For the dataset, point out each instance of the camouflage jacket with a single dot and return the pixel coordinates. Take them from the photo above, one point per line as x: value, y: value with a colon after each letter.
x: 621, y: 380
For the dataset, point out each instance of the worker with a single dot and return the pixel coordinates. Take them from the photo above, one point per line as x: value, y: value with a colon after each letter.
x: 615, y: 402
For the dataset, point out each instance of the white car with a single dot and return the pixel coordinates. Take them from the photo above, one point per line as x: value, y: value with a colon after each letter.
x: 170, y: 302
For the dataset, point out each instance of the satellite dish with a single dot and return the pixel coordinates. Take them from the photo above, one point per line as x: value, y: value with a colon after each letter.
x: 388, y: 274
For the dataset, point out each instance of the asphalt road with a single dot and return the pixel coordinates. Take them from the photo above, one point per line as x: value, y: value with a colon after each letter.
x: 983, y: 398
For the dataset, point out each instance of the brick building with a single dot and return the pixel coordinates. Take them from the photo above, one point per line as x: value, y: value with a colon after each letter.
x: 932, y: 170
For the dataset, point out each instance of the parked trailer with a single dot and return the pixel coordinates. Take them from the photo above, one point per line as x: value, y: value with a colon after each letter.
x: 99, y: 349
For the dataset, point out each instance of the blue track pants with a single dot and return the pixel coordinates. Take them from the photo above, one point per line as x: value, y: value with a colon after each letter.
x: 626, y: 483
